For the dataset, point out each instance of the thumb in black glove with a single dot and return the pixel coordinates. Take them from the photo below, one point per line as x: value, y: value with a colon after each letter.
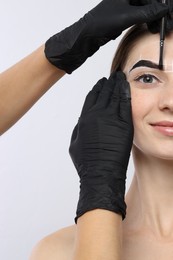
x: 100, y: 146
x: 71, y: 47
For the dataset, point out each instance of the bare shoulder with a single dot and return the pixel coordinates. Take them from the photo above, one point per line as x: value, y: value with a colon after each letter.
x: 58, y: 245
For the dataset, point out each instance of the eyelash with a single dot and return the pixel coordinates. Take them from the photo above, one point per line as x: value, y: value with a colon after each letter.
x: 146, y: 75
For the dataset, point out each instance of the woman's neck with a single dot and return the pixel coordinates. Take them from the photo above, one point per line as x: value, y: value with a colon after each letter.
x: 150, y: 196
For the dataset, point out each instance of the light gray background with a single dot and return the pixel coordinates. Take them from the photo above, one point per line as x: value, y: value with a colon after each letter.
x: 38, y: 182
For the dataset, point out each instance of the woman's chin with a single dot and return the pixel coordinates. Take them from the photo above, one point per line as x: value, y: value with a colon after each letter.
x: 165, y: 156
x: 163, y: 153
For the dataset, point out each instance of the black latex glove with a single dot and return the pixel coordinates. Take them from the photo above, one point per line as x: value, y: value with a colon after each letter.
x: 100, y: 146
x: 154, y: 27
x: 68, y: 49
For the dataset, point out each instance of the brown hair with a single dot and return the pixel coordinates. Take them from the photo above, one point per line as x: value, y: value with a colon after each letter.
x: 126, y: 44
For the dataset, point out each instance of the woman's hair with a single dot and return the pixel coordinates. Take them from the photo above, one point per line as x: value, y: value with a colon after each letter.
x: 126, y: 44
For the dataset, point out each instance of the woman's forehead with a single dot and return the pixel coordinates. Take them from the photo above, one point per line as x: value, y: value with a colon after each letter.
x: 148, y: 48
x: 147, y: 45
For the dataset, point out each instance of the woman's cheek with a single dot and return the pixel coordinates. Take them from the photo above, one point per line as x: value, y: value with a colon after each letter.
x: 141, y: 103
x: 136, y: 102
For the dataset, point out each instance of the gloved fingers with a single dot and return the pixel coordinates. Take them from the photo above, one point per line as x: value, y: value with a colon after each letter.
x: 170, y: 5
x: 114, y: 105
x: 150, y: 12
x: 125, y: 102
x: 92, y: 96
x: 142, y: 2
x: 108, y: 90
x: 105, y: 94
x: 146, y: 2
x: 154, y: 26
x: 121, y: 100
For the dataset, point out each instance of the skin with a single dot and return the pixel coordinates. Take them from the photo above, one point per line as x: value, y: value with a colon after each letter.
x: 148, y: 227
x: 23, y: 84
x: 151, y: 214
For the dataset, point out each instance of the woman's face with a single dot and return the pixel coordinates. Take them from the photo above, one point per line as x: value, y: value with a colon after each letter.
x: 152, y: 96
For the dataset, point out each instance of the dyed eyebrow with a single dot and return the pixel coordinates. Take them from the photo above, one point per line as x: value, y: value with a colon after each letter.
x: 145, y: 63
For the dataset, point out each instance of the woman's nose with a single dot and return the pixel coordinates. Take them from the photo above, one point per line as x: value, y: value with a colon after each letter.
x: 166, y: 98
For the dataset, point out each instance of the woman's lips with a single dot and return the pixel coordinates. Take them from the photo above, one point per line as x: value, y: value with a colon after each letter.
x: 164, y: 127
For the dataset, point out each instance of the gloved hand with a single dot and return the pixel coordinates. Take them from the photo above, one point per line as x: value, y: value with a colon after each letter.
x: 69, y: 48
x: 100, y: 146
x: 154, y: 26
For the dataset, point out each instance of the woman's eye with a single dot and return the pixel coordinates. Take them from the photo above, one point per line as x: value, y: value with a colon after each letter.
x: 147, y: 79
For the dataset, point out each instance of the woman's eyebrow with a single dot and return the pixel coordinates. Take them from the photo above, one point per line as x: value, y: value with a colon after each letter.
x: 145, y: 63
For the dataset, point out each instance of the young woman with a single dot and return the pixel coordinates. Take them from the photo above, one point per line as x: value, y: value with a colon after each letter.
x: 24, y: 83
x: 100, y: 149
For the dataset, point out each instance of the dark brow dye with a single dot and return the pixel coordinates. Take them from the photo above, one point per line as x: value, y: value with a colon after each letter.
x: 145, y: 63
